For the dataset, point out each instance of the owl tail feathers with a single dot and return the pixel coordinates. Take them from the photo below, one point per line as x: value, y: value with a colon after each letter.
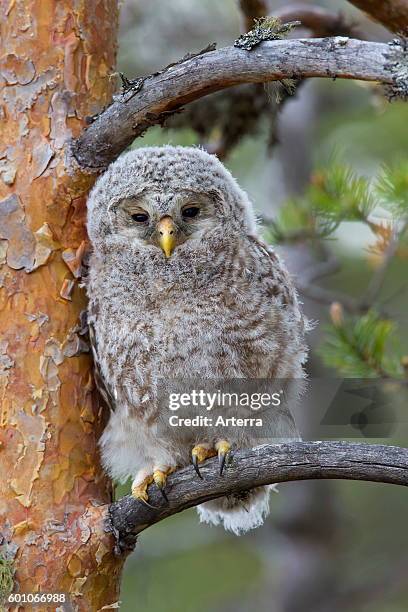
x: 239, y: 512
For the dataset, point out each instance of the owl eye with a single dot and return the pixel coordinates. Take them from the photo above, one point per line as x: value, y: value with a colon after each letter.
x: 140, y: 217
x: 190, y: 212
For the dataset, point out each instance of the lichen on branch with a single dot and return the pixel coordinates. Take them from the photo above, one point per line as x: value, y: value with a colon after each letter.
x: 397, y: 64
x: 266, y: 28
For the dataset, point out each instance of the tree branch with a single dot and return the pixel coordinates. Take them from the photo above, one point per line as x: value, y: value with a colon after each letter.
x: 319, y: 20
x: 159, y: 95
x: 260, y: 466
x: 236, y: 112
x: 321, y: 295
x: 392, y: 14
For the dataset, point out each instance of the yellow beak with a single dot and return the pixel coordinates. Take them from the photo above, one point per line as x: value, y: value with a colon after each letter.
x: 166, y: 230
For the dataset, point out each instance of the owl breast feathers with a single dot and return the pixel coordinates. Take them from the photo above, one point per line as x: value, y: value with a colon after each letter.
x: 180, y: 287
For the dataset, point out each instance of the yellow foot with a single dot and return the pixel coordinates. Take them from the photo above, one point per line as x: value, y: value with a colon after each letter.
x: 139, y: 491
x: 160, y: 478
x: 200, y: 453
x: 223, y: 448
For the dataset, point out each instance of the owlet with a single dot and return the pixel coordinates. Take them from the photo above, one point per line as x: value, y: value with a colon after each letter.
x: 182, y: 289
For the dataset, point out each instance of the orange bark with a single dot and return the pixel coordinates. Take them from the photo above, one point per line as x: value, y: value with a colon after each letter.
x: 56, y: 62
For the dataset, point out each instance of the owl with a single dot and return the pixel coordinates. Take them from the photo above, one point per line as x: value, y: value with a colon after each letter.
x: 181, y: 288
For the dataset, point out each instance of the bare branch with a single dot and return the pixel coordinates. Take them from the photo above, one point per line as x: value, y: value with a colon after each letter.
x: 261, y: 466
x: 331, y: 265
x: 320, y: 21
x: 133, y: 112
x: 392, y: 14
x: 326, y: 296
x: 380, y: 274
x: 306, y: 283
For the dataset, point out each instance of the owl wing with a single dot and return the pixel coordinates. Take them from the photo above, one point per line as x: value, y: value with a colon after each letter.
x: 277, y: 278
x: 283, y: 422
x: 104, y: 390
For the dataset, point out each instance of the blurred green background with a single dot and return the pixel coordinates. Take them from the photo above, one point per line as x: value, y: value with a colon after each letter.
x: 326, y: 545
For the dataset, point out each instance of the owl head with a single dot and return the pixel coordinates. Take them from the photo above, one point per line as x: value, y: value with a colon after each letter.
x: 167, y: 203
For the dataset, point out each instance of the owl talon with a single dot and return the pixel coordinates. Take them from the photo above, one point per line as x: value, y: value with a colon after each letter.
x: 160, y: 478
x: 221, y: 461
x: 194, y: 459
x: 200, y: 453
x: 223, y: 447
x: 139, y: 491
x: 147, y: 504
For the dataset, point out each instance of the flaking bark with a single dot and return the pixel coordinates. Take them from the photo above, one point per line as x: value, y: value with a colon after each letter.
x: 56, y: 59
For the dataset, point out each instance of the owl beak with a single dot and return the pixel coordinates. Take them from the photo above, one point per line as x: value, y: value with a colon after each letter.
x: 166, y: 230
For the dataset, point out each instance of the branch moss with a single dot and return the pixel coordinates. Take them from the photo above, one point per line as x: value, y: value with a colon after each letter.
x: 398, y: 65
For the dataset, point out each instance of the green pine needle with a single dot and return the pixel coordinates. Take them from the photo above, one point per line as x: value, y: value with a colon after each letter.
x: 392, y: 189
x: 338, y: 194
x: 360, y: 348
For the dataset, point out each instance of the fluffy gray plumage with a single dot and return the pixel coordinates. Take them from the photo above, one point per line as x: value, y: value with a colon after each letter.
x: 221, y: 306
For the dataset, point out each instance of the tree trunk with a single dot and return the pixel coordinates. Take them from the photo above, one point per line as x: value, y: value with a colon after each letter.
x: 56, y: 64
